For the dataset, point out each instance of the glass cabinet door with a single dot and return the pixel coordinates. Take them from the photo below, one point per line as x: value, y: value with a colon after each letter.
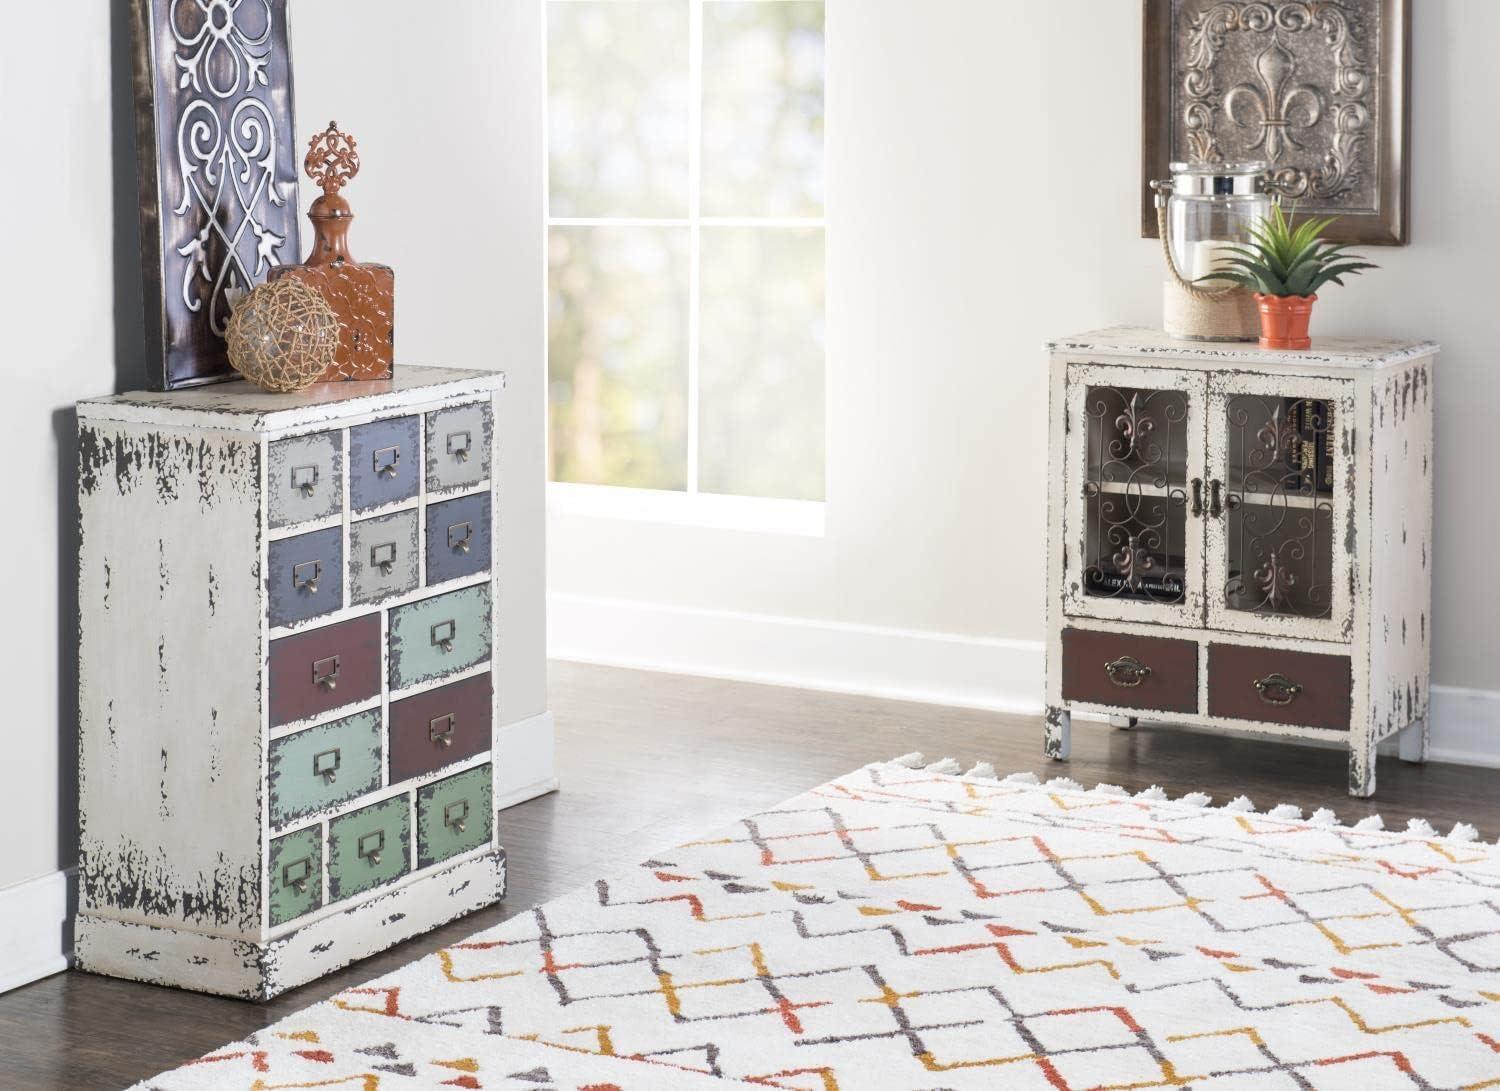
x: 1134, y: 494
x: 1278, y: 492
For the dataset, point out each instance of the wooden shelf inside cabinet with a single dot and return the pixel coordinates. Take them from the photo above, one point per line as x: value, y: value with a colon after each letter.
x: 1232, y: 544
x: 258, y: 674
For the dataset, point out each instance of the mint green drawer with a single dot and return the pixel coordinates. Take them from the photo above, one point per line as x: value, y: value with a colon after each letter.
x: 440, y: 635
x: 453, y: 816
x: 324, y: 766
x: 368, y: 847
x: 295, y: 874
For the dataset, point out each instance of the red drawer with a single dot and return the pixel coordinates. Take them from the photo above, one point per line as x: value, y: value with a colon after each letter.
x: 1304, y: 689
x: 441, y: 726
x: 324, y: 669
x: 1145, y: 672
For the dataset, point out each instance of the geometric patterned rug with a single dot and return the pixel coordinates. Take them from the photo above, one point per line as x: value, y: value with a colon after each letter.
x: 911, y: 929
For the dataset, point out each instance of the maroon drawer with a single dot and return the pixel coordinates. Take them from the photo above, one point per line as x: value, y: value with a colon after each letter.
x: 1129, y: 671
x: 441, y: 726
x: 318, y: 671
x: 1304, y: 689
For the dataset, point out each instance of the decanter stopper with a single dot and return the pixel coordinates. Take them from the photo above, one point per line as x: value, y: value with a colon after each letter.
x: 332, y: 160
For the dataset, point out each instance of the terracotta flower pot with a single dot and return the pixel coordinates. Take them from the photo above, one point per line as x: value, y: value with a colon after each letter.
x: 1283, y: 320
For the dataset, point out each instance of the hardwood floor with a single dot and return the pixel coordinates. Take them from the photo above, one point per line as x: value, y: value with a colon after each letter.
x: 649, y: 760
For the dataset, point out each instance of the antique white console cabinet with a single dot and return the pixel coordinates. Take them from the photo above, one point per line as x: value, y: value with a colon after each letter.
x: 1241, y: 539
x: 288, y: 625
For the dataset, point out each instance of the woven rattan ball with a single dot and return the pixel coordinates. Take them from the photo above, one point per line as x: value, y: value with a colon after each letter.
x: 283, y: 335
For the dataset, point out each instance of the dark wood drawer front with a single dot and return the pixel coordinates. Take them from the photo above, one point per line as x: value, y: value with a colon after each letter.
x: 439, y: 727
x: 1280, y: 687
x: 319, y: 671
x: 1130, y: 671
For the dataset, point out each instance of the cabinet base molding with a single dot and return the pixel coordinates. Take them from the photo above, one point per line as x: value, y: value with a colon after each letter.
x: 259, y: 971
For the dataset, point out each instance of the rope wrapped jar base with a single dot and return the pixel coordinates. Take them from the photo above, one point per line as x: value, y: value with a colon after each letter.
x: 1203, y: 316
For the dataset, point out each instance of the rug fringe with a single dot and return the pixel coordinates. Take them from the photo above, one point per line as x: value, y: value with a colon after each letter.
x: 1462, y: 832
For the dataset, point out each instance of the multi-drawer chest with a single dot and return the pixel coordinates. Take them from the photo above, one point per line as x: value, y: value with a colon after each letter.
x: 289, y: 619
x: 1242, y: 540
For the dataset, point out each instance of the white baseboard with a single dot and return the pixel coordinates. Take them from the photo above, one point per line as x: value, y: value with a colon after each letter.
x: 934, y: 668
x: 526, y: 765
x: 36, y: 929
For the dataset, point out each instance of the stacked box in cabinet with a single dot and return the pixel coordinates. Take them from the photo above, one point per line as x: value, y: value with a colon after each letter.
x: 288, y: 623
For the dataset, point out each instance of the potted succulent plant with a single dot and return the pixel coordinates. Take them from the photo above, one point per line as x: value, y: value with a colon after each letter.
x: 1284, y: 265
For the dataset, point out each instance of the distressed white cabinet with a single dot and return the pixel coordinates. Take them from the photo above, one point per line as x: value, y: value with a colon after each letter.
x: 1241, y: 539
x: 289, y: 614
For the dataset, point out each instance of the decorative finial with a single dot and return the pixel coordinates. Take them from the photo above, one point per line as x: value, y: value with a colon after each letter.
x: 332, y: 159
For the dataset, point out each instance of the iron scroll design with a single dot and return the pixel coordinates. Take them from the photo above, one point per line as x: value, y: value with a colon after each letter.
x: 1135, y: 492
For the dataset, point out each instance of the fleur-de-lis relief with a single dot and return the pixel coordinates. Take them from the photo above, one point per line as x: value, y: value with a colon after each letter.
x: 1275, y: 580
x: 1277, y: 436
x: 1133, y: 424
x: 1131, y: 561
x: 1280, y: 106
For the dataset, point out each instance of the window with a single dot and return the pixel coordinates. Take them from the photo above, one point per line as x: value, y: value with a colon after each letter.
x: 685, y: 246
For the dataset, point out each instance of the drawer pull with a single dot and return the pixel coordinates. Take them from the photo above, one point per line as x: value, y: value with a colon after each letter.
x: 460, y: 444
x: 1277, y: 689
x: 1197, y: 497
x: 305, y: 576
x: 370, y: 846
x: 305, y: 479
x: 326, y: 765
x: 1127, y: 672
x: 442, y: 737
x: 299, y: 883
x: 385, y: 461
x: 383, y: 557
x: 456, y: 815
x: 443, y: 635
x: 457, y: 543
x: 325, y: 672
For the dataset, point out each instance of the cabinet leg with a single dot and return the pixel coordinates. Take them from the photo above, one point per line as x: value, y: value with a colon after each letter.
x: 1415, y: 740
x: 1362, y: 769
x: 1124, y: 723
x: 1059, y: 738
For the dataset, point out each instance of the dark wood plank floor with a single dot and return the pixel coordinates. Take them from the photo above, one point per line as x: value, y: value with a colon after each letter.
x: 650, y: 760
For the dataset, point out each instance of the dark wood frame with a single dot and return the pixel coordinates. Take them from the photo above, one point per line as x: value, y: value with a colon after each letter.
x: 1391, y: 224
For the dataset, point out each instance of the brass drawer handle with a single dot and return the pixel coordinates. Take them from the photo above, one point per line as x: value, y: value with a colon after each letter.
x: 325, y: 672
x: 456, y: 815
x: 305, y: 479
x: 383, y: 557
x: 385, y: 461
x: 1277, y: 689
x: 461, y: 545
x: 299, y: 884
x: 460, y: 451
x: 449, y: 632
x: 302, y: 580
x: 1127, y: 672
x: 326, y: 765
x: 370, y: 847
x: 443, y: 737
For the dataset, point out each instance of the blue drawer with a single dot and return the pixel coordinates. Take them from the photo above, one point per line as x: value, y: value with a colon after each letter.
x: 458, y: 538
x: 384, y: 458
x: 305, y: 576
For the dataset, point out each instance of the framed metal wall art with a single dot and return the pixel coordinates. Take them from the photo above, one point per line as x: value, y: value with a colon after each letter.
x: 1318, y: 88
x: 216, y: 159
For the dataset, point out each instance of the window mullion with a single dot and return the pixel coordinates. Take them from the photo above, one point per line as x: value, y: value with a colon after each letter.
x: 695, y: 172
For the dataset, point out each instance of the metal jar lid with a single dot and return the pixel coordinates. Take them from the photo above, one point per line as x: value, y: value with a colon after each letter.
x: 1218, y: 179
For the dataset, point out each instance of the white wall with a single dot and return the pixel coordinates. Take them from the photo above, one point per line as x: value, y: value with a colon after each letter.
x: 448, y: 114
x: 983, y: 163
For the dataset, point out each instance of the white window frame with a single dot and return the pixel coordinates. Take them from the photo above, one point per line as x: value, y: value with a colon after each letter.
x: 689, y: 507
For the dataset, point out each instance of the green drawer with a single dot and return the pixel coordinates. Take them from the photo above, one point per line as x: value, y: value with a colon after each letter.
x: 440, y: 635
x: 295, y: 874
x: 324, y: 766
x: 368, y: 847
x: 453, y: 816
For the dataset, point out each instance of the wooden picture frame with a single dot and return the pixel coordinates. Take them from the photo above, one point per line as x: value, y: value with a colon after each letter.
x: 1322, y: 91
x: 217, y: 167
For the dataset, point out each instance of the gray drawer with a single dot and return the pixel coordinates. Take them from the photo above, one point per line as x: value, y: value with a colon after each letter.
x: 383, y: 557
x: 305, y: 479
x: 458, y: 446
x: 458, y: 538
x: 383, y: 462
x: 305, y: 576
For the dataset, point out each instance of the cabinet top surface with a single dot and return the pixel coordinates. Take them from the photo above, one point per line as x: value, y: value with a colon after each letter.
x: 1361, y: 353
x: 242, y: 406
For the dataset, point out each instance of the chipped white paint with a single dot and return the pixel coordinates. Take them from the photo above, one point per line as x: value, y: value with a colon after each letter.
x: 175, y: 719
x: 1382, y: 526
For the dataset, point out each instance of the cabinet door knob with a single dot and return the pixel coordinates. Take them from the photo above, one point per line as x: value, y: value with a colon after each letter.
x: 1216, y: 498
x: 1127, y: 672
x: 1277, y: 689
x: 1197, y: 497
